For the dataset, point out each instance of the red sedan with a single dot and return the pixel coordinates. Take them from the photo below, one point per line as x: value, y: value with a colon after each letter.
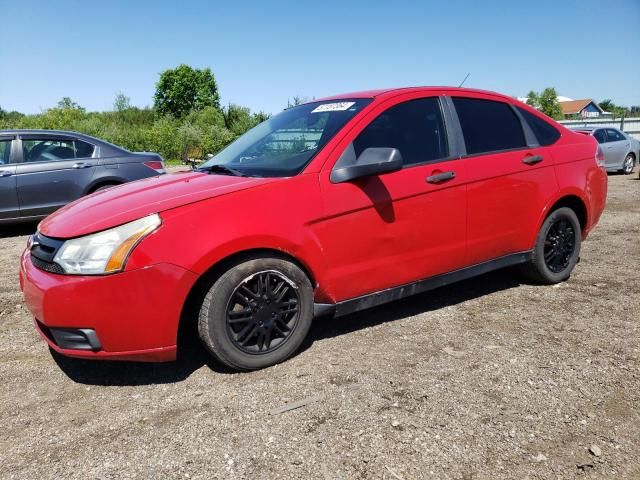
x: 327, y: 208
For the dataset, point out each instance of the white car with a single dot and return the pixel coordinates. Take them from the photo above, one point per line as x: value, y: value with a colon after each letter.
x: 621, y: 151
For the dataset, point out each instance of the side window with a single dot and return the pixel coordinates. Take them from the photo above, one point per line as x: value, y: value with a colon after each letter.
x: 5, y: 151
x: 83, y: 149
x: 415, y: 128
x: 600, y: 136
x: 544, y: 131
x: 614, y: 135
x: 47, y: 150
x: 488, y: 126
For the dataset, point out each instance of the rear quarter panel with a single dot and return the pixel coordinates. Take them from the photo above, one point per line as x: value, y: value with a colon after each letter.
x: 579, y: 175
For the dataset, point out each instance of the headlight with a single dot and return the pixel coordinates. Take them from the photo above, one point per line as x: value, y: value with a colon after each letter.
x: 104, y: 252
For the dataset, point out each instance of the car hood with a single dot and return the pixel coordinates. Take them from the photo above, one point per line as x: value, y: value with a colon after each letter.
x: 125, y: 203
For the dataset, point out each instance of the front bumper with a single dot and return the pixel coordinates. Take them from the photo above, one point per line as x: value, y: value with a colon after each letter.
x: 134, y: 315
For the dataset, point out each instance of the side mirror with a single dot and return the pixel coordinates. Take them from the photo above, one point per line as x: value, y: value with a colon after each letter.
x: 372, y: 161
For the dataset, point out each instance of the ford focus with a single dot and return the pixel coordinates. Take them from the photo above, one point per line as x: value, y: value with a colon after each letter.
x: 327, y: 208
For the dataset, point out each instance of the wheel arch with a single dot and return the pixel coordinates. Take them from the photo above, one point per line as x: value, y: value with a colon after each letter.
x: 572, y: 201
x: 99, y: 182
x: 189, y: 314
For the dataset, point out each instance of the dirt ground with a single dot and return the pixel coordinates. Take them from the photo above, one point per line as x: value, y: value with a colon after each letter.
x: 490, y: 378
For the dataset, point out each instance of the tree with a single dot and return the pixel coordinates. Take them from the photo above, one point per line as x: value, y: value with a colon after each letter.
x: 607, y: 105
x: 238, y: 119
x: 121, y: 103
x: 67, y: 104
x: 616, y: 111
x: 298, y: 100
x: 183, y: 89
x: 549, y: 104
x: 260, y: 117
x: 63, y: 116
x: 533, y: 100
x: 190, y: 138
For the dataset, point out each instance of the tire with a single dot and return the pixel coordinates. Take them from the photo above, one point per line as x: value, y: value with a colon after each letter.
x: 562, y: 229
x: 247, y: 319
x: 628, y: 164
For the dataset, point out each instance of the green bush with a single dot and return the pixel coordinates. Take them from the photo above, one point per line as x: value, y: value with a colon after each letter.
x: 197, y: 134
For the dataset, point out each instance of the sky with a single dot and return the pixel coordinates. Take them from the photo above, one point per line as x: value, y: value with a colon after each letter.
x: 266, y: 52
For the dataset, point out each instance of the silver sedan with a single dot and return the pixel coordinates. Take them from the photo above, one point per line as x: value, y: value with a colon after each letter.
x: 621, y: 151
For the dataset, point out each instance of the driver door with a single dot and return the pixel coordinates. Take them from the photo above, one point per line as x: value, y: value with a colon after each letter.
x: 392, y: 229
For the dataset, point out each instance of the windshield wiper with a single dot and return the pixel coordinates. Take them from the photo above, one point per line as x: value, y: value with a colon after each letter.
x: 221, y: 169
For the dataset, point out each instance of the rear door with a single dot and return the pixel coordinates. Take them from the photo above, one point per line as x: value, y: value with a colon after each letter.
x: 615, y: 149
x: 53, y: 171
x: 8, y: 195
x: 510, y: 178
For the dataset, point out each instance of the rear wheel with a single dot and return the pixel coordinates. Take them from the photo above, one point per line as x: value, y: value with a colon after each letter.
x: 557, y: 248
x: 629, y: 163
x: 257, y: 313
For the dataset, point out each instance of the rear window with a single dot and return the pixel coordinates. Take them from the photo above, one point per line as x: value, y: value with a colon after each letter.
x: 83, y: 149
x: 488, y: 126
x: 544, y: 131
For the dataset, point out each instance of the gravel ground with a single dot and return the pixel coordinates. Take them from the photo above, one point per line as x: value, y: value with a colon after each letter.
x: 490, y: 378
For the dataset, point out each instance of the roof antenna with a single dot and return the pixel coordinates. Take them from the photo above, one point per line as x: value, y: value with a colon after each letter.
x: 465, y: 79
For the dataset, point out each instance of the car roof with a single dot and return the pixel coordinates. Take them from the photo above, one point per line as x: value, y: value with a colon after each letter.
x: 68, y: 133
x: 396, y: 91
x: 40, y: 131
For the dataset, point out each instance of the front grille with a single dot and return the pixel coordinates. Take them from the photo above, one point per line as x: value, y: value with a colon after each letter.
x: 46, y: 266
x: 43, y: 251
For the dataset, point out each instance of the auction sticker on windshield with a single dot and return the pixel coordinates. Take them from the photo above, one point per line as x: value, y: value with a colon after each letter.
x: 332, y: 107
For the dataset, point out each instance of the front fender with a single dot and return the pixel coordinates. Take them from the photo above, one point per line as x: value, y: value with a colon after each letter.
x: 200, y: 235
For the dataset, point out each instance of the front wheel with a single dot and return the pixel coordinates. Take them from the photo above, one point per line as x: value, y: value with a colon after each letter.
x: 627, y: 166
x: 257, y: 313
x: 557, y: 248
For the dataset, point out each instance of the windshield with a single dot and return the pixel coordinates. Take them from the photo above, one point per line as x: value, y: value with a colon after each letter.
x: 283, y: 145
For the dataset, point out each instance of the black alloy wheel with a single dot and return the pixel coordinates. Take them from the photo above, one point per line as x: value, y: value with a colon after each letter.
x: 559, y: 245
x: 257, y: 313
x: 557, y: 248
x: 262, y: 312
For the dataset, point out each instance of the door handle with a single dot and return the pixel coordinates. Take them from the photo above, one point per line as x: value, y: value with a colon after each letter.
x: 5, y: 173
x: 81, y: 165
x: 532, y: 159
x: 441, y: 177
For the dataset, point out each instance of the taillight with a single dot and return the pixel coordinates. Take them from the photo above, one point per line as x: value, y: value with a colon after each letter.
x: 600, y: 156
x: 156, y: 165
